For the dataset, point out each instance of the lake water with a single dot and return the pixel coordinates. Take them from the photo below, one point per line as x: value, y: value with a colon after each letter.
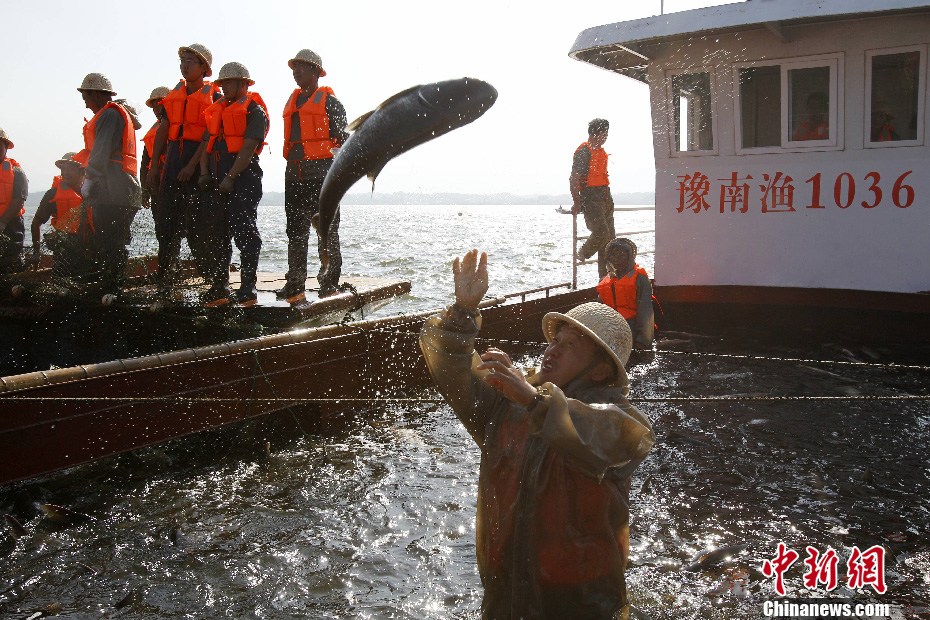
x: 528, y: 246
x: 371, y: 514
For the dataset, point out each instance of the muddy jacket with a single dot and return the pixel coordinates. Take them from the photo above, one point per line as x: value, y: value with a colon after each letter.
x: 553, y: 490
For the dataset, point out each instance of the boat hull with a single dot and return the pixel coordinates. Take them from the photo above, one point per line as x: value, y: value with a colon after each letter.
x: 65, y: 417
x: 797, y: 314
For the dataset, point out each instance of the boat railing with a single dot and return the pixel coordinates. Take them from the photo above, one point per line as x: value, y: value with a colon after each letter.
x: 576, y: 239
x: 543, y: 289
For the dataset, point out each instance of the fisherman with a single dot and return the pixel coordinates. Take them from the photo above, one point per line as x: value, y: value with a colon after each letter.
x: 237, y: 126
x: 180, y: 139
x: 148, y: 141
x: 72, y: 223
x: 14, y: 189
x: 627, y: 289
x: 558, y: 448
x: 883, y: 129
x: 816, y: 123
x: 314, y: 127
x: 110, y: 185
x: 590, y: 189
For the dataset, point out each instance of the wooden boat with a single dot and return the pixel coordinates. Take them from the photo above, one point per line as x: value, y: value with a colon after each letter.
x: 790, y: 139
x: 64, y: 417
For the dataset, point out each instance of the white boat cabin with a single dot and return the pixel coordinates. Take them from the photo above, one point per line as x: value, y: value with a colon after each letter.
x: 791, y: 141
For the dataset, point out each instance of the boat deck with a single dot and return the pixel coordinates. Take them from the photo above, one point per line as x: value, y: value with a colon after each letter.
x: 40, y: 292
x: 356, y: 293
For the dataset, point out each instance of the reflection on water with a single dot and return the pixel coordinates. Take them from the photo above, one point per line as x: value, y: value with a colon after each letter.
x: 369, y: 513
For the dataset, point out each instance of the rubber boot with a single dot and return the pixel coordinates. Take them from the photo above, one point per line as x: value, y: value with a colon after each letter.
x: 217, y: 294
x: 248, y: 290
x: 296, y: 271
x: 329, y: 278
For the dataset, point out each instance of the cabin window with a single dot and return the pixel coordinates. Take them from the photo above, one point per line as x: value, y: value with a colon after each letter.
x: 894, y: 82
x: 760, y: 104
x: 809, y: 104
x: 789, y: 104
x: 692, y: 113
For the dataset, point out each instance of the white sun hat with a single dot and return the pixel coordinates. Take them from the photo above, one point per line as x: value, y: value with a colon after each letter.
x: 601, y: 323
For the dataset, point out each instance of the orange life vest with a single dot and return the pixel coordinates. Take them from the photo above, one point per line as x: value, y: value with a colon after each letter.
x: 314, y: 125
x: 67, y: 216
x: 597, y: 166
x: 185, y: 112
x: 6, y: 185
x: 885, y: 133
x: 127, y: 155
x: 809, y: 131
x: 620, y: 293
x: 149, y: 141
x: 228, y: 121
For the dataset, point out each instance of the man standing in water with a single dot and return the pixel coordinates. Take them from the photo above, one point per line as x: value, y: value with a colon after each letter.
x: 110, y: 185
x: 558, y: 448
x: 314, y: 126
x: 180, y: 140
x: 590, y: 188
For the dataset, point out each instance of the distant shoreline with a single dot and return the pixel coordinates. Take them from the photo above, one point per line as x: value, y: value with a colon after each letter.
x: 409, y: 198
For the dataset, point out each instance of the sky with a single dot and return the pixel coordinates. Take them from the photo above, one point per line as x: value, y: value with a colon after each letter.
x: 370, y: 50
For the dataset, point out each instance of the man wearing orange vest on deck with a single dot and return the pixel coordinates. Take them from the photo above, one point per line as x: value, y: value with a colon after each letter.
x: 314, y: 126
x: 627, y: 289
x: 180, y: 140
x: 590, y: 188
x: 149, y: 195
x: 237, y: 126
x: 110, y: 185
x: 14, y: 188
x: 72, y: 223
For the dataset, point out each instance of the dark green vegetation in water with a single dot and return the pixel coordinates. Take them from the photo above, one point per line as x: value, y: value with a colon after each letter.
x: 369, y: 513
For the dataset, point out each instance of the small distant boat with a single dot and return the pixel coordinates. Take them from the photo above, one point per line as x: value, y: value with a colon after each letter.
x: 561, y: 209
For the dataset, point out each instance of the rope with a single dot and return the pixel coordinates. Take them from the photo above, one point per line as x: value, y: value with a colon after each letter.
x: 295, y: 401
x: 530, y: 343
x: 398, y: 330
x: 889, y: 366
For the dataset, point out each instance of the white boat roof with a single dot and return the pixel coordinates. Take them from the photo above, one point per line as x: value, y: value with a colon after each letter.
x: 621, y: 47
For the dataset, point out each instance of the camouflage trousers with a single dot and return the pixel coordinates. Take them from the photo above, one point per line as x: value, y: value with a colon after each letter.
x: 598, y: 206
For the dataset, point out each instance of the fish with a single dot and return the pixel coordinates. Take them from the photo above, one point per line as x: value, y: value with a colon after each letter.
x: 15, y: 527
x: 711, y: 557
x: 63, y: 516
x: 133, y: 598
x: 408, y: 119
x: 52, y: 609
x: 734, y: 583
